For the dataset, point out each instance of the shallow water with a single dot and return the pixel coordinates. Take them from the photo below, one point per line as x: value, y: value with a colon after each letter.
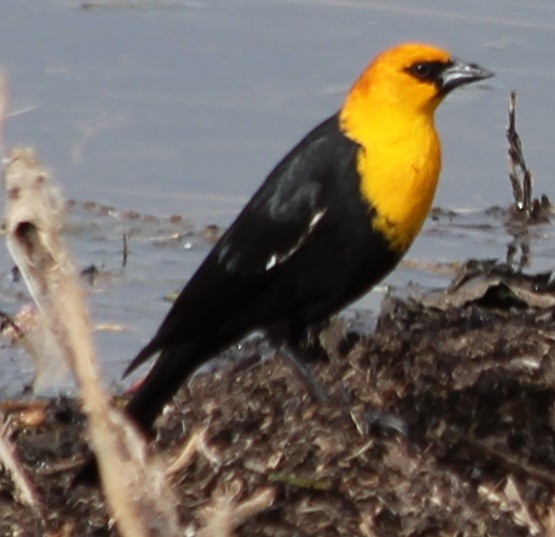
x: 183, y: 107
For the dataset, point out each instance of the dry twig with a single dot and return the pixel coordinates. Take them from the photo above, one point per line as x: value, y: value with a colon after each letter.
x: 9, y: 460
x: 140, y: 500
x: 519, y: 174
x: 225, y: 513
x: 196, y: 440
x: 533, y: 210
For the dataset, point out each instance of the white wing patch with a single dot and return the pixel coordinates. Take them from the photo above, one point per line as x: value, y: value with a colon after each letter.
x: 277, y: 258
x: 272, y: 262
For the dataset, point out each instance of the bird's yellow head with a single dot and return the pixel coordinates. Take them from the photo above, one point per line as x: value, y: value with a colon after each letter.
x: 411, y: 79
x: 406, y: 75
x: 389, y: 112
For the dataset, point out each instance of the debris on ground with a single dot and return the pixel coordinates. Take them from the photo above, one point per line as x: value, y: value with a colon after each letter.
x: 441, y: 420
x: 473, y: 383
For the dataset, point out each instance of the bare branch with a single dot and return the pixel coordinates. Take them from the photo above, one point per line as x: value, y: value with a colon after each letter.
x: 140, y: 499
x: 9, y: 460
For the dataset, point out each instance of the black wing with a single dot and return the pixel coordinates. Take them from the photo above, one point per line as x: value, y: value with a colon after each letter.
x: 283, y: 212
x: 311, y: 200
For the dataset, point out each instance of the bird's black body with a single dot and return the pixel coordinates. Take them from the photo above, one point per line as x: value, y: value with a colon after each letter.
x: 301, y: 249
x: 330, y: 221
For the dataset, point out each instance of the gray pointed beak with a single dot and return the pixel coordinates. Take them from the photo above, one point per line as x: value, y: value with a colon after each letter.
x: 460, y: 73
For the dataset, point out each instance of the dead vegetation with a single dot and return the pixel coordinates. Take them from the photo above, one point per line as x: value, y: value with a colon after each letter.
x: 473, y: 385
x: 468, y: 371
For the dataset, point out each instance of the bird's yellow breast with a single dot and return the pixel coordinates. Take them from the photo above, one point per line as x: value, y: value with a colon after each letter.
x: 399, y: 170
x: 391, y: 116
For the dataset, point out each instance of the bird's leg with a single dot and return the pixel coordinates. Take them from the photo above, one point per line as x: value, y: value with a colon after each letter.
x: 382, y: 420
x: 386, y: 421
x: 316, y: 389
x: 291, y: 346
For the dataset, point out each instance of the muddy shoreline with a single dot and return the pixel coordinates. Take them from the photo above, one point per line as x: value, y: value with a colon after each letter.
x: 473, y: 384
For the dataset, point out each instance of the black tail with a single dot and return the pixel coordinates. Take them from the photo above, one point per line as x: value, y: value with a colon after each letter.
x: 172, y: 368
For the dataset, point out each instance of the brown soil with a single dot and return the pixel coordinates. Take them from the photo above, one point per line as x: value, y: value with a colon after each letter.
x: 473, y: 385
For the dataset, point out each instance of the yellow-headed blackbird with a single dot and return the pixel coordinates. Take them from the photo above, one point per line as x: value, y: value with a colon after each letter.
x: 330, y: 221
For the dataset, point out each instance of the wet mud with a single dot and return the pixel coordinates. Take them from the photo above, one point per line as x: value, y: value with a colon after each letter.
x: 468, y: 373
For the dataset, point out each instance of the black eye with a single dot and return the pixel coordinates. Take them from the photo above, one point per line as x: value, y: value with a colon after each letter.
x: 421, y: 70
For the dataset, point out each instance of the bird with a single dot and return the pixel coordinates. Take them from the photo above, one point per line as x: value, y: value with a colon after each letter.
x: 330, y: 221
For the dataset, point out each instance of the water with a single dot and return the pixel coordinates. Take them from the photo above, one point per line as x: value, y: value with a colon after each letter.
x: 183, y: 108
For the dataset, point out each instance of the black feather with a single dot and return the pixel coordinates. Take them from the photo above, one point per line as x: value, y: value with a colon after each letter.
x: 300, y: 250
